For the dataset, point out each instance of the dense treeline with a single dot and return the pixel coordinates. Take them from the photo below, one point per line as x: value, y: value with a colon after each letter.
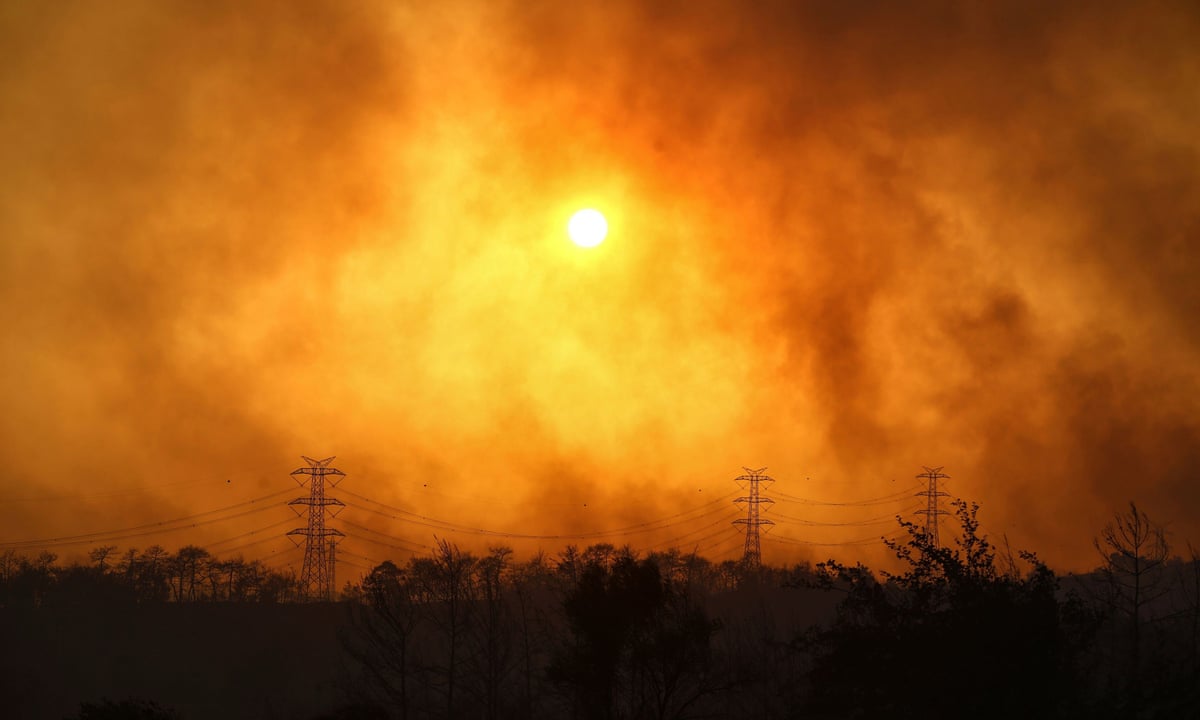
x: 191, y: 574
x: 603, y: 632
x: 960, y: 631
x: 599, y: 632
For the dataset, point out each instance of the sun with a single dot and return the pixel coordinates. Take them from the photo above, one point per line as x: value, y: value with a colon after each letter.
x: 587, y: 228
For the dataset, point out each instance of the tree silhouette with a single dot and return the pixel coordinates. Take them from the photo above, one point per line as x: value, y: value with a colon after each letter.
x: 187, y: 570
x: 383, y: 641
x: 1133, y: 552
x: 152, y: 584
x: 445, y: 581
x: 532, y: 587
x: 100, y: 556
x: 988, y: 644
x: 601, y: 632
x: 492, y: 661
x: 639, y: 647
x: 1189, y: 581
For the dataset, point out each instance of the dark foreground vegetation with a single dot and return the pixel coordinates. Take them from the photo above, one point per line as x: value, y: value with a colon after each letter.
x: 964, y: 631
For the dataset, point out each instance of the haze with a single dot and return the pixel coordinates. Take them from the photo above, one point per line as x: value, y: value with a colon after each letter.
x: 846, y: 241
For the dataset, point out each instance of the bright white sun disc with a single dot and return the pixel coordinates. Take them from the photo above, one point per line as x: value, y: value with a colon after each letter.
x: 587, y: 228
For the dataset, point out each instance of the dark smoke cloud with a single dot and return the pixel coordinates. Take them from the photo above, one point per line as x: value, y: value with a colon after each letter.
x: 973, y: 225
x: 848, y: 240
x: 163, y: 165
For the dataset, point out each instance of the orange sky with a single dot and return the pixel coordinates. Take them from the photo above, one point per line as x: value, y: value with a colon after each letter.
x: 847, y: 240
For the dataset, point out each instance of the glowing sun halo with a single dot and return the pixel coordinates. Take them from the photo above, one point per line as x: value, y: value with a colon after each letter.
x: 587, y: 228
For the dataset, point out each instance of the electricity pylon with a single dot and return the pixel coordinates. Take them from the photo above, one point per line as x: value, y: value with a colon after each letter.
x: 752, y: 553
x: 931, y: 494
x: 316, y: 577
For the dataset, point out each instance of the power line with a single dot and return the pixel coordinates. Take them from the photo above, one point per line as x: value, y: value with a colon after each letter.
x: 858, y: 523
x: 381, y: 543
x: 116, y: 493
x: 731, y: 543
x: 109, y: 537
x: 446, y: 525
x: 674, y: 542
x: 428, y: 487
x: 145, y: 533
x: 316, y: 503
x: 437, y: 524
x: 882, y: 500
x: 677, y: 543
x: 351, y: 523
x: 354, y: 564
x: 243, y: 546
x: 278, y: 567
x: 282, y: 550
x: 360, y: 557
x: 662, y: 523
x: 723, y: 532
x: 285, y: 521
x: 860, y: 541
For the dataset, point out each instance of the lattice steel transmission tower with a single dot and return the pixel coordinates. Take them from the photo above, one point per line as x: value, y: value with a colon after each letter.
x: 931, y: 495
x: 753, y: 479
x: 316, y: 577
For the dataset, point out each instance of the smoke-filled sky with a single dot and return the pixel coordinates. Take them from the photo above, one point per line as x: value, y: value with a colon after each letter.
x: 847, y: 240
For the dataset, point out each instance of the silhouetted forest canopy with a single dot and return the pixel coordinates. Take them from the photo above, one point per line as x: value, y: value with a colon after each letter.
x: 969, y: 629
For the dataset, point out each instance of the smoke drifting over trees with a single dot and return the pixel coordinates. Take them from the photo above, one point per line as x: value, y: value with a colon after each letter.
x: 844, y: 239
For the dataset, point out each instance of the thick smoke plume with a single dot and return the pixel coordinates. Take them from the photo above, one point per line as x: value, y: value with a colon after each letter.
x: 847, y: 240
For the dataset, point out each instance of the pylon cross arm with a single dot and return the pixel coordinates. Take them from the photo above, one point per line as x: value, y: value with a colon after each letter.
x: 318, y: 501
x: 317, y: 471
x: 318, y: 463
x: 327, y: 532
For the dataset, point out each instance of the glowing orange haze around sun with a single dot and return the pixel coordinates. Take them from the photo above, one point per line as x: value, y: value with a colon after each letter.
x: 842, y: 245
